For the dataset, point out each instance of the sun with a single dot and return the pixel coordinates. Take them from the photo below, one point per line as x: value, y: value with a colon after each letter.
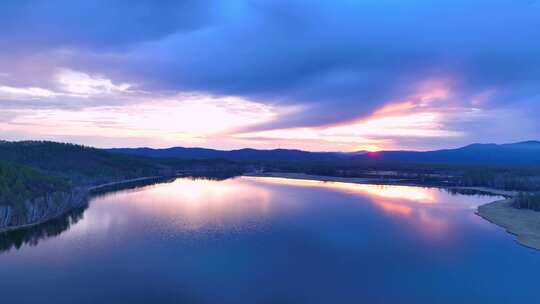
x: 369, y: 148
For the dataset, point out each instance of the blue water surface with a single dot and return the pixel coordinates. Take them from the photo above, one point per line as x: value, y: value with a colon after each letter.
x: 270, y: 240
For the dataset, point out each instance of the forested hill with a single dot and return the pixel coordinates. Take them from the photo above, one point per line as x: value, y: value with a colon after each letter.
x: 19, y: 183
x: 517, y: 154
x: 525, y: 153
x: 78, y: 163
x: 513, y: 166
x: 238, y: 155
x: 31, y: 169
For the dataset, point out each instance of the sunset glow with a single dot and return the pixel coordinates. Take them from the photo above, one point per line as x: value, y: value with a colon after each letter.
x: 237, y: 76
x: 198, y: 202
x: 425, y: 208
x: 196, y: 119
x: 269, y: 151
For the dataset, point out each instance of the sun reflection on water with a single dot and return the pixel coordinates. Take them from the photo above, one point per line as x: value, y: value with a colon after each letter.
x: 240, y: 203
x: 192, y: 203
x: 432, y: 211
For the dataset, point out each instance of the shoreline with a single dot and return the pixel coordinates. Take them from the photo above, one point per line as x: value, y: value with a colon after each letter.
x: 126, y: 182
x: 523, y: 224
x: 84, y: 200
x: 372, y: 181
x: 40, y: 222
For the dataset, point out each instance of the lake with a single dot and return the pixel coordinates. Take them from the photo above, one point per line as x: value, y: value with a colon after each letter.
x: 270, y: 240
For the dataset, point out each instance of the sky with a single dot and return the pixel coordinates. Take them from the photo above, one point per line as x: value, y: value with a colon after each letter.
x: 306, y: 74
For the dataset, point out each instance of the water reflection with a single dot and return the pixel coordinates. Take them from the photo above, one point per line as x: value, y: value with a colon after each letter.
x: 193, y: 203
x: 199, y: 202
x: 263, y: 240
x: 416, y: 194
x: 384, y: 195
x: 32, y: 236
x: 432, y: 211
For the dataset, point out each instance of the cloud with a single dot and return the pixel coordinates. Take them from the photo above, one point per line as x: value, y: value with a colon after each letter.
x: 14, y: 92
x: 98, y: 25
x: 82, y: 84
x: 341, y: 61
x: 334, y: 63
x: 189, y: 119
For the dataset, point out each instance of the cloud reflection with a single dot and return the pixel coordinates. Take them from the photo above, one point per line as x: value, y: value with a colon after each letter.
x: 432, y: 211
x: 245, y: 202
x: 192, y: 204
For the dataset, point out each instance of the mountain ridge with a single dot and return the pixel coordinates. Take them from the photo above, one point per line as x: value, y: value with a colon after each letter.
x: 238, y: 154
x: 518, y: 153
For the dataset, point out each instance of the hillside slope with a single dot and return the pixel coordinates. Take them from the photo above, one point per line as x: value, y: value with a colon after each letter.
x: 20, y: 183
x: 83, y: 165
x: 240, y: 155
x: 517, y: 154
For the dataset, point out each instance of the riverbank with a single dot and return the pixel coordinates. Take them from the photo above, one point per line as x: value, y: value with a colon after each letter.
x: 127, y: 183
x: 41, y: 210
x: 524, y: 224
x: 376, y: 181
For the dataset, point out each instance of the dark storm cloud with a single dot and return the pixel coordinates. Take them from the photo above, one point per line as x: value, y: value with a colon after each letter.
x: 337, y: 59
x: 100, y: 24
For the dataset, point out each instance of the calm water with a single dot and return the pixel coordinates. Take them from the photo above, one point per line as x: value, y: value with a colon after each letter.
x: 263, y: 240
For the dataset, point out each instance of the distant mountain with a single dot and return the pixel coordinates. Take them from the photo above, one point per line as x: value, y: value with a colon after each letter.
x: 521, y: 153
x: 242, y: 154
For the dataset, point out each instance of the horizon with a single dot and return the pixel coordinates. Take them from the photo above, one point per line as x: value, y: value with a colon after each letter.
x: 305, y: 75
x: 272, y: 149
x: 269, y: 151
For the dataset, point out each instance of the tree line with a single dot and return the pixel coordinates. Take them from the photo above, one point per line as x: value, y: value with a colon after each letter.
x: 19, y: 183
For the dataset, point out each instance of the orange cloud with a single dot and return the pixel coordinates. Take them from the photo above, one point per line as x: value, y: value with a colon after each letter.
x: 420, y: 115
